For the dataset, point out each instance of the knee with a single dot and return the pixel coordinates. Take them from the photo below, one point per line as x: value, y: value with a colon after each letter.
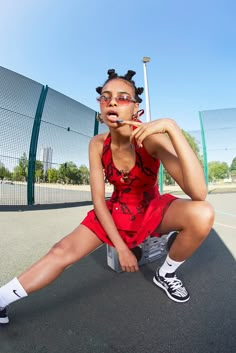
x: 205, y: 215
x: 60, y: 253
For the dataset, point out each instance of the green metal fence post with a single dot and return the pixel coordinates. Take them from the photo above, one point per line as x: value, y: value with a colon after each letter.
x: 204, y: 149
x: 160, y: 178
x: 33, y: 146
x: 96, y: 123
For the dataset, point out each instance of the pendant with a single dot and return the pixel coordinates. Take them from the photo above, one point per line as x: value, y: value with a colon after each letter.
x: 125, y: 176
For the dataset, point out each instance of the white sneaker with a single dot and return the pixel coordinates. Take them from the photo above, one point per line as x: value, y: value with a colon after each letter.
x: 173, y: 287
x: 3, y: 316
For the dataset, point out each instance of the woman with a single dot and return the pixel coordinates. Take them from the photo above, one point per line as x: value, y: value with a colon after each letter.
x: 130, y: 156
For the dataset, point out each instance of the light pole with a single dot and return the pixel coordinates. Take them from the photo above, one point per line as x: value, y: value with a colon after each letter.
x: 148, y: 113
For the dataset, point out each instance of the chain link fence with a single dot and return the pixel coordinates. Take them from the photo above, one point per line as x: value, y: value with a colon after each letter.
x: 44, y: 138
x: 218, y: 128
x: 215, y: 145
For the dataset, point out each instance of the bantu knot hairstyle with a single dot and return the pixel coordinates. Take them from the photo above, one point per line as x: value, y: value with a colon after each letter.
x: 127, y: 77
x: 111, y: 74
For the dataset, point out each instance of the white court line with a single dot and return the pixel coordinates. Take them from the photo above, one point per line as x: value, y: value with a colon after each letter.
x: 224, y: 225
x: 226, y: 213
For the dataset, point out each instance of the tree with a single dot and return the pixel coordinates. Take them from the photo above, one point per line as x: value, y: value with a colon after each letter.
x: 4, y: 172
x: 68, y: 173
x: 195, y: 147
x: 52, y: 175
x: 233, y: 166
x: 83, y: 174
x: 217, y: 170
x: 21, y: 170
x: 23, y: 164
x: 38, y: 170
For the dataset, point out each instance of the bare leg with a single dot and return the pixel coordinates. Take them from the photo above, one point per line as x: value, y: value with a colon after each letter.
x: 67, y: 251
x: 193, y: 220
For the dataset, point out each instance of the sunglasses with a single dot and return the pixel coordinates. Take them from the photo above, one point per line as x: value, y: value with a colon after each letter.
x: 122, y: 99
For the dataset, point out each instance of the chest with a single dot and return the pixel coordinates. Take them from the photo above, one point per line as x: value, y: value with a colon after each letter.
x: 133, y: 167
x: 124, y: 159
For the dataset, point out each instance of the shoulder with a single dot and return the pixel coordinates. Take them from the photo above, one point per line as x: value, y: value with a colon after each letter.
x: 97, y: 142
x: 98, y: 139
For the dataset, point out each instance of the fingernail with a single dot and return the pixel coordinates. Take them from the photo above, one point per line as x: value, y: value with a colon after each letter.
x: 119, y: 121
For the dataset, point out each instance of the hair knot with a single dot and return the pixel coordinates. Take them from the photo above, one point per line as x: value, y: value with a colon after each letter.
x: 130, y: 73
x: 111, y: 74
x: 127, y: 77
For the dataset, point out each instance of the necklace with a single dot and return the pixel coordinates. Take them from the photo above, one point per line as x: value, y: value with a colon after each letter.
x: 125, y: 176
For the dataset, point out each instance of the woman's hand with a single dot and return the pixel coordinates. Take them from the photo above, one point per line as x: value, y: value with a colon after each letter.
x: 128, y: 261
x: 143, y: 130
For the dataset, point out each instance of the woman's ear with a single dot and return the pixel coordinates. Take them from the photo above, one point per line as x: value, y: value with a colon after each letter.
x: 136, y: 107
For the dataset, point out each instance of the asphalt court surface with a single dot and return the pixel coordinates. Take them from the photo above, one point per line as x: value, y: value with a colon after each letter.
x: 90, y: 308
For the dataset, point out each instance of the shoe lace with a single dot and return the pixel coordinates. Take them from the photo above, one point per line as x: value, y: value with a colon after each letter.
x: 174, y: 282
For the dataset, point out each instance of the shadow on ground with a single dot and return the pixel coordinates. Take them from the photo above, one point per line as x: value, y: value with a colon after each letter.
x: 50, y: 206
x: 92, y: 309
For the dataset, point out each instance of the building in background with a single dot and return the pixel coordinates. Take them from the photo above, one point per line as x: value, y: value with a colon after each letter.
x: 46, y: 158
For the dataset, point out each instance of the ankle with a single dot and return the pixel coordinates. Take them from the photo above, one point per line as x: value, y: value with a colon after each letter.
x: 169, y: 266
x: 11, y: 292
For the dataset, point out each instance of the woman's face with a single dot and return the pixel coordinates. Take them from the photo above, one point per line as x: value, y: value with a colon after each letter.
x: 117, y: 102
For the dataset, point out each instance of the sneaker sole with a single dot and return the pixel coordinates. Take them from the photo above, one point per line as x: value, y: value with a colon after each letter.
x: 167, y: 293
x: 4, y: 321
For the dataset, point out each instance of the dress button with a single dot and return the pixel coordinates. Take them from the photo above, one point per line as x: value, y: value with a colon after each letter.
x: 116, y: 208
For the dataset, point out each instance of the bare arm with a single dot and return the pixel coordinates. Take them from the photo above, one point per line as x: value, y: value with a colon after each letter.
x: 126, y: 257
x: 175, y: 153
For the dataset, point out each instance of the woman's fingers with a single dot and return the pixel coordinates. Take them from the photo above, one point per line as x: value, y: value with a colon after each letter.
x: 135, y: 133
x: 130, y: 268
x: 128, y: 262
x: 132, y: 123
x: 140, y: 134
x: 144, y: 130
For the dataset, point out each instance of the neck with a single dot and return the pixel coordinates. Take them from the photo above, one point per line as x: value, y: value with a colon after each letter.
x: 120, y: 139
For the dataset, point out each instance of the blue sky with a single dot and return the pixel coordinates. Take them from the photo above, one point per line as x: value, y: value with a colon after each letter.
x: 69, y: 45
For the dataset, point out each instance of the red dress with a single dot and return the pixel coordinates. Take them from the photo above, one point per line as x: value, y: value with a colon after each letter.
x: 136, y: 205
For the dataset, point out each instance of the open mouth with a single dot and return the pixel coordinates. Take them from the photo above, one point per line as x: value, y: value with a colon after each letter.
x: 112, y: 114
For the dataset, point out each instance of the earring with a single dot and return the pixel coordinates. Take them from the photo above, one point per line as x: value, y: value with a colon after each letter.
x: 99, y: 118
x: 136, y: 116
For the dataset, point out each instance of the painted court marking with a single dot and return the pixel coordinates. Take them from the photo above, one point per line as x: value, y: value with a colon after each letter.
x: 226, y: 213
x: 224, y: 225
